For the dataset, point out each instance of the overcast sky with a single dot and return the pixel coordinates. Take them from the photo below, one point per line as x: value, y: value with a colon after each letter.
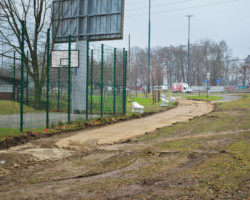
x: 217, y: 20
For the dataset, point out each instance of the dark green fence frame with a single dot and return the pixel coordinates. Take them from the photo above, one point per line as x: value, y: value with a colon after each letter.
x: 114, y: 88
x: 14, y: 76
x: 87, y: 81
x: 48, y: 78
x: 22, y: 77
x: 111, y: 60
x: 27, y: 81
x: 91, y: 82
x: 69, y: 79
x: 102, y: 65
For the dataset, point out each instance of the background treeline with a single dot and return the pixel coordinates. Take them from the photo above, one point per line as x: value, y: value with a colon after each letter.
x: 169, y: 65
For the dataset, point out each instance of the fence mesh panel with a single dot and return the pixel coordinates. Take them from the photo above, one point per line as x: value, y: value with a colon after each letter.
x: 64, y: 93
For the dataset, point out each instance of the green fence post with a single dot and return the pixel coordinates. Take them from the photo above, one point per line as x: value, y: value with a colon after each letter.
x: 69, y: 78
x: 126, y: 62
x: 92, y: 65
x: 124, y: 86
x: 14, y: 76
x: 114, y: 100
x: 27, y: 81
x: 22, y: 77
x: 102, y: 82
x: 48, y: 68
x: 58, y: 95
x: 87, y: 80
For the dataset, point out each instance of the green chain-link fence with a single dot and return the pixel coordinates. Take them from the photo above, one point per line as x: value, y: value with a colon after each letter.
x: 62, y: 92
x: 106, y: 82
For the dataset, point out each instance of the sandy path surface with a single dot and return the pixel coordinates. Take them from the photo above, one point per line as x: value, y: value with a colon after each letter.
x: 123, y: 131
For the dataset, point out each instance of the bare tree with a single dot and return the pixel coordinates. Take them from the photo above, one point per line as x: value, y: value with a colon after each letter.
x: 135, y: 62
x: 157, y: 71
x: 137, y: 75
x: 35, y: 14
x: 170, y: 64
x: 244, y: 72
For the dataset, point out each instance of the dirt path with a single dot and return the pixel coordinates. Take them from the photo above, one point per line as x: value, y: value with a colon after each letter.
x: 123, y: 131
x: 65, y: 145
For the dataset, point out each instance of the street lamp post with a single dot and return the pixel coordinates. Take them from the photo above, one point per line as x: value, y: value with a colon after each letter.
x: 188, y: 70
x: 149, y: 37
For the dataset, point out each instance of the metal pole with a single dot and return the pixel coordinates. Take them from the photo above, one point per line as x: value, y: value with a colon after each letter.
x: 14, y: 76
x: 124, y: 86
x: 102, y: 82
x: 87, y: 81
x: 188, y: 71
x: 27, y: 80
x: 69, y: 78
x: 125, y: 81
x: 129, y: 51
x: 92, y: 65
x: 149, y: 38
x: 207, y: 89
x: 2, y: 51
x: 58, y: 95
x: 48, y: 68
x: 22, y: 77
x: 114, y: 99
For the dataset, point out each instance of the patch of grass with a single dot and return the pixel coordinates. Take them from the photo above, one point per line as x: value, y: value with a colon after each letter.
x: 225, y: 176
x: 12, y: 107
x: 204, y: 97
x: 161, y: 133
x: 180, y: 145
x: 223, y: 173
x: 9, y: 132
x: 227, y: 116
x: 243, y: 103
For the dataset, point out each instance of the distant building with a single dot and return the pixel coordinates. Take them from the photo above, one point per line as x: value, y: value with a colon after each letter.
x: 9, y: 88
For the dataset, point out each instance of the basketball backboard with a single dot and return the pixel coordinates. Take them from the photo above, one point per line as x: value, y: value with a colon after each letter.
x: 60, y: 58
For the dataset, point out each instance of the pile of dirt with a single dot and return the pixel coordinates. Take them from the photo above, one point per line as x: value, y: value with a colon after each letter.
x: 12, y: 161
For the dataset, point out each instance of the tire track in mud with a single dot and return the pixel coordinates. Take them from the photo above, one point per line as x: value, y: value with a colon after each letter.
x: 205, y: 135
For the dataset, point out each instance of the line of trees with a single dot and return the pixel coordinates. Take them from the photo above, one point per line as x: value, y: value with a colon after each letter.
x: 169, y: 65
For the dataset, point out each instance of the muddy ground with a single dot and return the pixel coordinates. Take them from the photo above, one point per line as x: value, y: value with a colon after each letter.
x: 119, y: 168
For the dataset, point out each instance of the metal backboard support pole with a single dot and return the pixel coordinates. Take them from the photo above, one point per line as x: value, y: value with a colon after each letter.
x: 114, y: 99
x: 87, y: 79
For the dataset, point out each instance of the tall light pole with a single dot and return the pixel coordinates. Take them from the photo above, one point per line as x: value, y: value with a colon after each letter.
x: 149, y: 37
x: 129, y: 68
x: 188, y: 71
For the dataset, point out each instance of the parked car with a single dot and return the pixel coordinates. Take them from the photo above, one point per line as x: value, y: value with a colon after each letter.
x: 181, y: 87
